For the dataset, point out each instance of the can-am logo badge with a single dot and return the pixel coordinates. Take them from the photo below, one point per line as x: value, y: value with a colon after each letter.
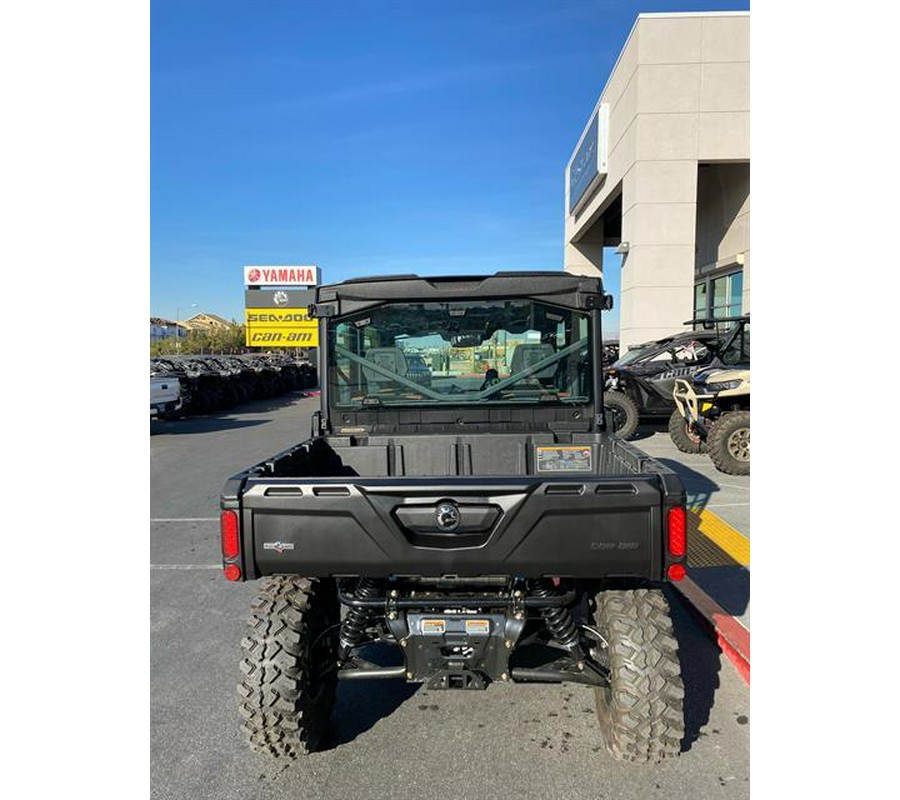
x: 278, y: 547
x: 447, y: 517
x: 280, y: 298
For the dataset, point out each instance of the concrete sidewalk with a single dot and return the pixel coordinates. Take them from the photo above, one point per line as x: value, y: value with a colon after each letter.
x: 718, y: 582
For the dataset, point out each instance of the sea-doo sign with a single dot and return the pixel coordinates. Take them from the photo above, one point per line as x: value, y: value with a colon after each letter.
x: 281, y: 276
x: 273, y: 327
x: 262, y: 316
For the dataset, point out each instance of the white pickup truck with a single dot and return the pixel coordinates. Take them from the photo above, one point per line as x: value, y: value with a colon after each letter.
x: 165, y: 397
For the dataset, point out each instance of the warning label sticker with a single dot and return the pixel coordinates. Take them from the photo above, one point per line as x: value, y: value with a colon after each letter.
x: 478, y: 627
x: 578, y: 458
x: 433, y: 626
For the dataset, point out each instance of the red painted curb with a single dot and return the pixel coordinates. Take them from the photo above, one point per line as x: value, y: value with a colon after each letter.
x: 741, y: 664
x: 732, y: 637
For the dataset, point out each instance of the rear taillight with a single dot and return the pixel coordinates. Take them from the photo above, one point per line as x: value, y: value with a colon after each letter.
x: 677, y: 532
x: 233, y: 572
x: 677, y: 572
x: 231, y: 546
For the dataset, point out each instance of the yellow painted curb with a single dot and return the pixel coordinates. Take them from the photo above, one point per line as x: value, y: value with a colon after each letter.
x: 730, y: 541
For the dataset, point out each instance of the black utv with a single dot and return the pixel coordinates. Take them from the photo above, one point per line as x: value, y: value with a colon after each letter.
x: 639, y: 384
x: 479, y: 526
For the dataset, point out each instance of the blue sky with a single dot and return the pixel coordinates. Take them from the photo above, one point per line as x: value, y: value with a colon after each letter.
x: 367, y: 138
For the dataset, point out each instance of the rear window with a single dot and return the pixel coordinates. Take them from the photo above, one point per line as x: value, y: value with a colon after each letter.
x: 493, y: 352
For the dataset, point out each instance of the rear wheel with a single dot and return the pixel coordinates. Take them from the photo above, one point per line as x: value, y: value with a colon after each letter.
x: 641, y: 712
x: 685, y: 439
x: 287, y: 691
x: 624, y: 414
x: 729, y: 443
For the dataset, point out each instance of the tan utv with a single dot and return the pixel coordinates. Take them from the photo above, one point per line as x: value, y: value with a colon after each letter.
x: 715, y: 407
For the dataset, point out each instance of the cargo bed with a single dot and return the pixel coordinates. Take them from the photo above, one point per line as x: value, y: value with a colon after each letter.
x: 529, y: 504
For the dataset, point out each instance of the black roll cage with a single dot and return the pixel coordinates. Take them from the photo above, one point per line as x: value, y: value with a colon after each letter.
x: 575, y: 292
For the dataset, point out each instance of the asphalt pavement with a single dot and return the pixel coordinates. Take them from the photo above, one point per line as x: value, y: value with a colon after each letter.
x: 388, y: 739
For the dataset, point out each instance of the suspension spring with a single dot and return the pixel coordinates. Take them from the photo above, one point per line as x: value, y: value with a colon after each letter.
x: 559, y: 621
x: 353, y: 628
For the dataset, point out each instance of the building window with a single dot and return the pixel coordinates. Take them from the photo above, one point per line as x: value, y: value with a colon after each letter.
x: 719, y: 296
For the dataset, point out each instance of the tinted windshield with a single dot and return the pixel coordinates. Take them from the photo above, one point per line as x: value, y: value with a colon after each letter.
x: 633, y: 354
x: 737, y: 350
x: 682, y: 351
x: 498, y: 352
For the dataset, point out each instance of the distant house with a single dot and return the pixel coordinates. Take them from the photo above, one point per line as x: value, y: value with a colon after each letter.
x: 207, y: 322
x: 161, y: 328
x: 164, y: 328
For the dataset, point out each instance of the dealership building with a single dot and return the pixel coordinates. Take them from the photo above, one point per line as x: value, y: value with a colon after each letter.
x: 661, y: 172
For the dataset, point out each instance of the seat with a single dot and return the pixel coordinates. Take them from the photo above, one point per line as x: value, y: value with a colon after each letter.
x: 527, y: 354
x: 391, y: 358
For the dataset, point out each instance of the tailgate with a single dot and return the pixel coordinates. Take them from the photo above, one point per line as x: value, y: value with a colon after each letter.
x: 578, y: 527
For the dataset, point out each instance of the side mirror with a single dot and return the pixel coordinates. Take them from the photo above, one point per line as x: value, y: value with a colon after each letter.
x: 607, y: 302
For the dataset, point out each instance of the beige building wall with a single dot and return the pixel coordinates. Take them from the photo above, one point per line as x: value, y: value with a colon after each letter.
x: 723, y: 222
x: 679, y: 95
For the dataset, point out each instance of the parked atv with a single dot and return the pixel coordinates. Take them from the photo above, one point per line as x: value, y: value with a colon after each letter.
x: 714, y: 407
x: 610, y: 352
x: 639, y: 384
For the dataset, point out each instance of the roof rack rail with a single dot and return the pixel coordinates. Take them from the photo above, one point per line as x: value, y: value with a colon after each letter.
x: 714, y: 320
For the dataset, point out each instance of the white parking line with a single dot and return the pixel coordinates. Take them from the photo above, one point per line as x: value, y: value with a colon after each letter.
x: 725, y: 505
x: 185, y: 566
x: 184, y: 519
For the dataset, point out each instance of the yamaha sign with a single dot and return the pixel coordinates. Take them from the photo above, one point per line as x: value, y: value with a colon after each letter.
x: 281, y: 276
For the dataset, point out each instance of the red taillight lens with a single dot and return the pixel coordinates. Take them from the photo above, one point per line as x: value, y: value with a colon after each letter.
x: 677, y: 532
x: 231, y: 546
x: 233, y: 572
x: 677, y: 572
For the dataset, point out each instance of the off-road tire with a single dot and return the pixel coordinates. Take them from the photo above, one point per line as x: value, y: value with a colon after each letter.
x: 682, y: 438
x: 726, y: 439
x: 641, y: 712
x: 624, y: 408
x: 285, y: 706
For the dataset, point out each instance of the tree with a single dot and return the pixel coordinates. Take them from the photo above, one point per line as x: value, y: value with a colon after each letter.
x: 199, y: 341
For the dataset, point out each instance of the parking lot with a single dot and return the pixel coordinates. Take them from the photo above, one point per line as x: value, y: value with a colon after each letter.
x: 389, y: 739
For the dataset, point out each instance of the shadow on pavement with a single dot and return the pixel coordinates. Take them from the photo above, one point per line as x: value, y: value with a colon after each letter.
x: 224, y: 420
x: 360, y: 706
x: 700, y: 665
x: 271, y: 404
x: 698, y: 486
x: 201, y: 425
x: 647, y: 428
x: 728, y: 585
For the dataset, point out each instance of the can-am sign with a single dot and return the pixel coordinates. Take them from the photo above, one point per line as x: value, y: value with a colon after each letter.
x: 269, y: 327
x: 281, y: 276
